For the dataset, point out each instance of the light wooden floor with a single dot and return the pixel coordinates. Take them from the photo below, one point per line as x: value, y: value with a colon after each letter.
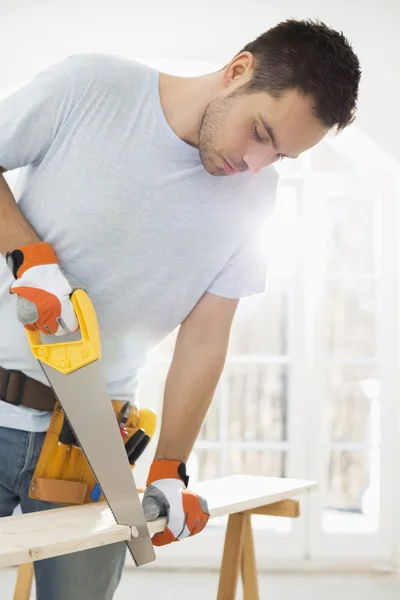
x: 203, y: 586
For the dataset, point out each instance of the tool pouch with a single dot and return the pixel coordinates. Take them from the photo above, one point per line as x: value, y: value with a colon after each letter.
x: 63, y: 475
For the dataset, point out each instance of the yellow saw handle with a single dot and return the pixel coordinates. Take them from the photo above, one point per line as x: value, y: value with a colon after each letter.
x: 67, y: 357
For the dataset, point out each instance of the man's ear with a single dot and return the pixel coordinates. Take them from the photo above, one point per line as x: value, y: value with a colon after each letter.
x: 239, y: 70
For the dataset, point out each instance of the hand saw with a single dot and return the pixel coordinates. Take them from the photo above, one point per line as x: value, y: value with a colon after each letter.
x: 74, y: 372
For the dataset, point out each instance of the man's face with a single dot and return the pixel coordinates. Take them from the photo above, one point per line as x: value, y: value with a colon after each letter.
x: 241, y: 132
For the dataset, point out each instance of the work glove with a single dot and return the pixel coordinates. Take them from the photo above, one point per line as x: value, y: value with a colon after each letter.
x: 43, y: 291
x: 166, y: 495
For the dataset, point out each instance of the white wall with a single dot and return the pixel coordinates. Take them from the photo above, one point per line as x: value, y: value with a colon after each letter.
x: 36, y: 34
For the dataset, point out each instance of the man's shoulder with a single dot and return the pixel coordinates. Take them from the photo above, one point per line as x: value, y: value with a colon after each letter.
x: 267, y: 178
x: 265, y: 181
x: 264, y: 194
x: 262, y: 189
x: 101, y: 59
x: 102, y: 67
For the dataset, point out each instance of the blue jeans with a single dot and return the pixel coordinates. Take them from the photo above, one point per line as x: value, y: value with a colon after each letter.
x: 86, y: 575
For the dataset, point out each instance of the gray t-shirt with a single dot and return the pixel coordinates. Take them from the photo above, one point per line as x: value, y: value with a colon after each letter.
x: 129, y: 209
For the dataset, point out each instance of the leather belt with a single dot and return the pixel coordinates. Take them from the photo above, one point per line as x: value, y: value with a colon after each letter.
x: 20, y: 390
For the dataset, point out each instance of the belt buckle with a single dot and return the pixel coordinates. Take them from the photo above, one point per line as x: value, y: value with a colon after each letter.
x: 21, y: 385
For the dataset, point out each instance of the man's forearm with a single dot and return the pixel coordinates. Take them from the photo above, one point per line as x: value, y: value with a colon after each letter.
x: 192, y: 378
x: 15, y: 230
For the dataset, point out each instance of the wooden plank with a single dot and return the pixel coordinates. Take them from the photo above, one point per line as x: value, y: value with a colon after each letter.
x: 249, y: 565
x: 24, y: 538
x: 229, y: 495
x: 284, y: 508
x: 230, y: 566
x: 34, y: 536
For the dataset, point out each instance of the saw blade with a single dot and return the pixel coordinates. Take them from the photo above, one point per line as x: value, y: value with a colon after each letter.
x: 84, y: 397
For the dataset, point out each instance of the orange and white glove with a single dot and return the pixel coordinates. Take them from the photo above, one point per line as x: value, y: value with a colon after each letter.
x: 43, y: 291
x: 166, y: 495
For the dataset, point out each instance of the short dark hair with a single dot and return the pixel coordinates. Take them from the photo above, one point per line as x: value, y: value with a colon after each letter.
x: 313, y: 59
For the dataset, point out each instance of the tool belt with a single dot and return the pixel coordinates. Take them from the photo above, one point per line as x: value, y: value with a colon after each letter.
x: 62, y: 474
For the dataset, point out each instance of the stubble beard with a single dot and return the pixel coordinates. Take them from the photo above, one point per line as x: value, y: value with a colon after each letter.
x: 212, y: 122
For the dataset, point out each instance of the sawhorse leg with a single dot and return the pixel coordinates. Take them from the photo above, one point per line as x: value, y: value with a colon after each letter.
x: 24, y: 582
x: 239, y: 554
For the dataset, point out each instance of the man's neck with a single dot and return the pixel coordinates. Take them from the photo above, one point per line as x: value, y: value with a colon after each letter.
x: 184, y: 100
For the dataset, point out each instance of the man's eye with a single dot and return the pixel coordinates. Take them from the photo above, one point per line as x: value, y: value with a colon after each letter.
x: 257, y: 136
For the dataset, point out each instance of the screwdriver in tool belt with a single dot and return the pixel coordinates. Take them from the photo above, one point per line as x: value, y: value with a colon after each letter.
x: 121, y: 419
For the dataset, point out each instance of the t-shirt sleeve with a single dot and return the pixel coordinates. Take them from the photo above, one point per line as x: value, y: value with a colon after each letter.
x: 31, y: 116
x: 245, y: 274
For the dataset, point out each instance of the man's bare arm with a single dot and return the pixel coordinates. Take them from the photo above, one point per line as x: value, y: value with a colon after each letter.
x: 15, y: 230
x: 198, y: 360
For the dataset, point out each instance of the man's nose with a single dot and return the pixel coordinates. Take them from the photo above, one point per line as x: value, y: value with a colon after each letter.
x: 257, y: 160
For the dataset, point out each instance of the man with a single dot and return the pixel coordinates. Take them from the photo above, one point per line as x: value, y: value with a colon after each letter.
x: 129, y: 192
